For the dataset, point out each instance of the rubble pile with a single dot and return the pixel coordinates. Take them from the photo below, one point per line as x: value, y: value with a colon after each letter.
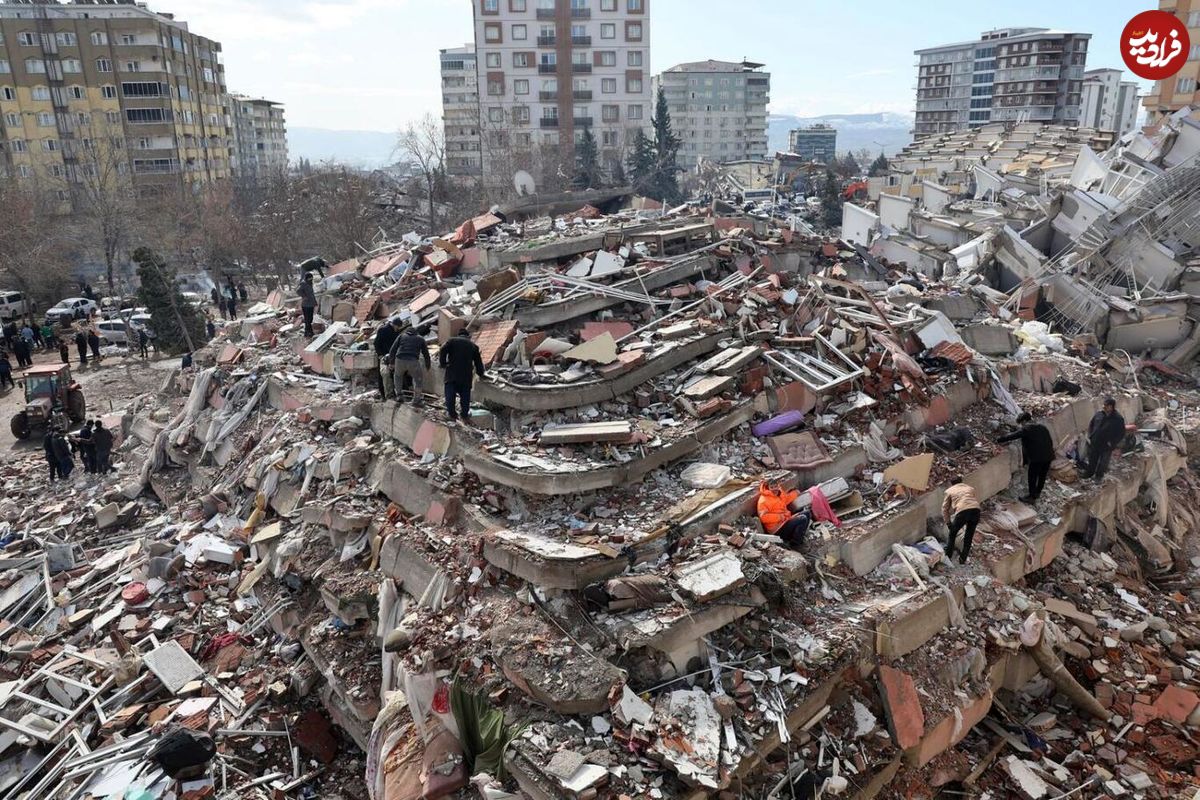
x: 294, y: 588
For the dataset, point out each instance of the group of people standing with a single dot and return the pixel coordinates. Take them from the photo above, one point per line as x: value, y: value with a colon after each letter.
x: 404, y: 362
x: 226, y: 300
x: 24, y: 338
x: 93, y: 443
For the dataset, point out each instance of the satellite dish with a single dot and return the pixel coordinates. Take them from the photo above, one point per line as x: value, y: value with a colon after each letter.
x: 523, y: 183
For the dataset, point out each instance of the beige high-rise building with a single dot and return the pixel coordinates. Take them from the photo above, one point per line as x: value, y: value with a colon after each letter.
x: 547, y: 70
x: 113, y: 77
x: 1180, y: 89
x: 260, y: 137
x: 460, y: 112
x: 718, y: 109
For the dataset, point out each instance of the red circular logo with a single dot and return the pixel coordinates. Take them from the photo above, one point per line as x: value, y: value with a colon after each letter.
x: 1154, y: 45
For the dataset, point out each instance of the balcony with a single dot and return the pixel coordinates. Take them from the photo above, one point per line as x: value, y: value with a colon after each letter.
x: 545, y: 13
x: 547, y: 69
x: 546, y: 41
x: 581, y: 41
x: 581, y: 94
x: 581, y: 68
x: 548, y: 97
x: 548, y: 122
x: 584, y: 122
x: 581, y: 13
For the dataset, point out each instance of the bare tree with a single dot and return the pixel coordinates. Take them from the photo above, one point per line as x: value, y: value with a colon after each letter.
x: 33, y: 249
x: 424, y: 144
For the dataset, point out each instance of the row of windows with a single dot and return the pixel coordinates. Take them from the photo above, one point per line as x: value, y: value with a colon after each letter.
x: 100, y: 39
x: 522, y: 139
x: 494, y: 32
x: 108, y: 91
x: 607, y: 58
x: 607, y: 86
x: 608, y: 113
x: 493, y: 6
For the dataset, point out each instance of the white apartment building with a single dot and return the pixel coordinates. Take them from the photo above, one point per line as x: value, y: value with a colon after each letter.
x: 718, y: 109
x: 460, y: 112
x: 1109, y: 103
x: 260, y: 137
x: 548, y: 69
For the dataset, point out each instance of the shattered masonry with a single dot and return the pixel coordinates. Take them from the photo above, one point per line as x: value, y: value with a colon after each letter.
x: 355, y: 598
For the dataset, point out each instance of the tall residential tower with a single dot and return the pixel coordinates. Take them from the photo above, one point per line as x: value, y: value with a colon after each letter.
x: 718, y: 109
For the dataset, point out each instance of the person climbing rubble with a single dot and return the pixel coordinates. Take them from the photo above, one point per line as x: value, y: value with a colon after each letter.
x: 1105, y: 432
x: 1037, y: 450
x: 308, y: 302
x: 385, y: 337
x: 456, y: 358
x: 407, y: 354
x: 960, y: 510
x: 778, y: 519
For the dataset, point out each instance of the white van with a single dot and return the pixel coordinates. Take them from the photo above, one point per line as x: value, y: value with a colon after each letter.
x: 13, y: 305
x: 113, y: 331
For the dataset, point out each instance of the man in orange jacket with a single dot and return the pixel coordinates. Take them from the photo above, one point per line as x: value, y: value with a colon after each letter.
x: 777, y: 518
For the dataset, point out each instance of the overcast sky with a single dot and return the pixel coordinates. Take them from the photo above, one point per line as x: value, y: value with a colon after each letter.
x: 372, y: 64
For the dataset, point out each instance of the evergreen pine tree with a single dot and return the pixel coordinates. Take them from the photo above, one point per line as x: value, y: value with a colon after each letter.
x: 850, y: 165
x: 666, y: 150
x: 831, y: 200
x: 641, y: 164
x: 587, y: 162
x: 879, y: 166
x: 178, y: 327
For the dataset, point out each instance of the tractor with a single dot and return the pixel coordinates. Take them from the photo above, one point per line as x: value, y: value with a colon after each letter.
x: 51, y: 399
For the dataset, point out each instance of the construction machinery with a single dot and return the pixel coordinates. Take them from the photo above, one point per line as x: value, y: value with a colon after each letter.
x: 51, y: 399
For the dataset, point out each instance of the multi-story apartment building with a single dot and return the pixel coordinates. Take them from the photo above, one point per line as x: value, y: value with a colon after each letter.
x: 547, y: 70
x: 814, y: 143
x: 718, y: 109
x: 1180, y: 89
x: 1008, y: 74
x: 460, y: 112
x: 111, y: 76
x: 260, y: 137
x: 1109, y: 103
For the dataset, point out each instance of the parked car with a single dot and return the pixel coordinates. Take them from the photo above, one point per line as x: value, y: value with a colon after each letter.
x: 14, y: 305
x: 140, y: 320
x: 114, y: 331
x: 70, y: 309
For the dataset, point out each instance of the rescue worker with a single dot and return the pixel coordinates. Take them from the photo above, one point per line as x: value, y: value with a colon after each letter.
x: 385, y: 337
x: 960, y: 509
x: 777, y: 518
x: 1105, y: 432
x: 456, y: 358
x: 62, y: 453
x: 1037, y: 449
x: 407, y: 353
x: 51, y: 456
x: 102, y: 443
x: 308, y: 302
x: 86, y: 447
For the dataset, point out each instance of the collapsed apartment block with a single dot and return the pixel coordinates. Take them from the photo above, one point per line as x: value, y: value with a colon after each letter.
x: 569, y: 595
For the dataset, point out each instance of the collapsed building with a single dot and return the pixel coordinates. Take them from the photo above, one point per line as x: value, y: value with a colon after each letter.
x: 570, y: 595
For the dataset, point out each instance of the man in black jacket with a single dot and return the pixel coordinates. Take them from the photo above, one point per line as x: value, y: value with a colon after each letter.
x: 1037, y: 447
x: 102, y: 442
x: 1105, y: 432
x: 408, y: 351
x: 457, y: 357
x: 385, y: 337
x: 81, y: 344
x: 308, y: 302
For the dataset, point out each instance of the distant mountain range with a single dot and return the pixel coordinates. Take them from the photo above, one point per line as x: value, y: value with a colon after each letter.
x: 371, y: 149
x: 855, y: 131
x: 367, y: 149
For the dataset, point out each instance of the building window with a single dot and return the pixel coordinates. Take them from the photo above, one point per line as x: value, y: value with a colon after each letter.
x: 495, y: 114
x: 132, y: 66
x: 27, y: 38
x: 520, y: 33
x: 492, y: 60
x: 520, y: 113
x: 608, y: 138
x: 608, y: 30
x: 83, y: 120
x: 50, y: 145
x: 517, y: 5
x: 145, y: 116
x: 608, y: 58
x: 76, y: 92
x: 633, y: 31
x: 45, y: 119
x: 103, y: 65
x: 99, y: 38
x: 24, y: 170
x: 12, y: 119
x: 72, y: 65
x: 634, y: 6
x: 610, y: 113
x: 521, y: 86
x: 114, y: 117
x: 521, y: 60
x: 633, y: 112
x: 633, y: 85
x: 608, y: 5
x: 495, y: 87
x: 5, y: 67
x: 8, y: 93
x: 635, y: 58
x: 108, y: 92
x: 18, y: 145
x: 35, y: 66
x: 1185, y: 86
x: 1194, y: 53
x: 1193, y: 19
x: 608, y: 85
x: 491, y: 32
x: 40, y: 92
x: 491, y: 6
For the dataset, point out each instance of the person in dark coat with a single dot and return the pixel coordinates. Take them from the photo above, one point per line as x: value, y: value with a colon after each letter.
x: 308, y: 302
x: 62, y: 452
x: 216, y: 297
x: 457, y: 357
x: 210, y: 327
x: 6, y: 379
x: 408, y: 351
x: 1105, y: 432
x: 231, y: 304
x: 243, y: 295
x: 86, y: 447
x: 21, y: 351
x: 51, y: 456
x: 1037, y: 448
x: 143, y: 342
x: 385, y: 337
x: 94, y: 342
x: 102, y: 441
x: 64, y: 352
x: 81, y: 344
